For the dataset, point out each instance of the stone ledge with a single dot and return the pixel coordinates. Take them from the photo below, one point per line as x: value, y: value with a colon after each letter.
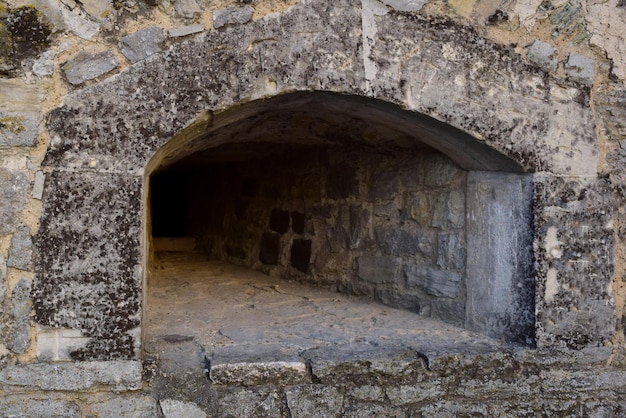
x: 120, y: 375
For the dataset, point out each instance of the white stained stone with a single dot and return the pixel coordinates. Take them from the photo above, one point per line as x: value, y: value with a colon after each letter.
x: 40, y: 179
x: 405, y: 5
x: 178, y: 409
x: 79, y: 26
x: 185, y: 30
x: 544, y: 55
x: 580, y: 68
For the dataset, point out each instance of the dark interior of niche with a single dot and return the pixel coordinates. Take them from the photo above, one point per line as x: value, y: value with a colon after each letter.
x: 384, y: 223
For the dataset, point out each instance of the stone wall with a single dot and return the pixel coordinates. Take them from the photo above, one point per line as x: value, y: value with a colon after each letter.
x: 91, y: 91
x: 391, y: 227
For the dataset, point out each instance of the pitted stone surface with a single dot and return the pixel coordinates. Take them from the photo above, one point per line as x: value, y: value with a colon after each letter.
x: 91, y: 228
x: 574, y: 234
x: 21, y: 249
x: 13, y: 196
x: 117, y: 375
x: 44, y: 408
x: 20, y: 336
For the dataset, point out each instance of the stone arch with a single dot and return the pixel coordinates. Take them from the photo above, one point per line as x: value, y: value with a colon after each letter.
x: 89, y: 246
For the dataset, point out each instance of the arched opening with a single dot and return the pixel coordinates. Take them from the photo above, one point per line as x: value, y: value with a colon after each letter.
x: 350, y: 195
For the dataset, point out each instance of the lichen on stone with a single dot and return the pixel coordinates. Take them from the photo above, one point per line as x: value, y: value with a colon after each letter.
x: 13, y: 124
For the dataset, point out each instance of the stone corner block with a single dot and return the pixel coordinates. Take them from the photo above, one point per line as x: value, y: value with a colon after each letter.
x: 141, y: 44
x: 232, y: 16
x: 544, y: 55
x: 580, y: 68
x: 118, y: 375
x: 85, y: 66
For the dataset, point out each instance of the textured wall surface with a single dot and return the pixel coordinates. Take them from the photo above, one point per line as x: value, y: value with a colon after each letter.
x: 94, y: 95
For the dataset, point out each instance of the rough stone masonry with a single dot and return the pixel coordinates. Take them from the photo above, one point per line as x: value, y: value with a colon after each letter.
x: 522, y: 103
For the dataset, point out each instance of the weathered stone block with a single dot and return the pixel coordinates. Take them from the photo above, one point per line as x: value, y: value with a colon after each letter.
x: 117, y: 375
x: 187, y: 8
x: 257, y: 402
x: 500, y: 274
x: 20, y: 406
x: 86, y: 260
x: 449, y: 210
x: 439, y: 170
x: 85, y: 66
x: 418, y: 208
x: 13, y: 196
x: 58, y: 344
x: 185, y: 30
x: 324, y: 400
x: 385, y: 186
x: 21, y: 249
x: 543, y: 55
x: 19, y: 129
x: 435, y: 282
x: 142, y: 44
x: 3, y: 275
x: 450, y: 251
x: 123, y: 406
x: 401, y: 242
x: 257, y: 365
x: 378, y: 269
x: 173, y: 408
x: 40, y: 179
x: 232, y: 16
x: 20, y: 335
x: 580, y: 68
x: 574, y: 241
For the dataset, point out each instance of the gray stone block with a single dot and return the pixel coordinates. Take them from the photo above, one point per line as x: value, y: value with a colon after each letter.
x: 232, y: 16
x: 401, y: 242
x: 256, y: 402
x: 449, y: 210
x: 187, y: 8
x: 121, y: 406
x: 257, y: 364
x: 40, y: 179
x: 418, y: 208
x: 142, y: 44
x: 378, y: 269
x: 20, y: 335
x: 185, y: 30
x: 21, y: 249
x: 173, y: 408
x: 14, y: 406
x: 500, y: 285
x: 435, y: 282
x: 405, y: 5
x: 385, y: 186
x: 322, y: 401
x: 439, y: 170
x: 544, y: 55
x: 119, y: 375
x: 450, y: 251
x: 19, y: 129
x: 79, y: 25
x: 580, y: 68
x: 14, y: 187
x: 85, y: 66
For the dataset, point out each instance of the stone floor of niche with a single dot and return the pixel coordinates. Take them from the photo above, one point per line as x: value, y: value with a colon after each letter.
x: 244, y: 327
